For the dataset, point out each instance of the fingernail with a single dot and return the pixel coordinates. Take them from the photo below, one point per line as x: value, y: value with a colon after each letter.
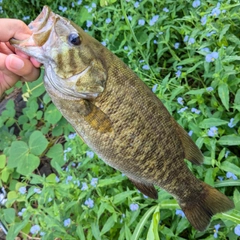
x: 16, y: 63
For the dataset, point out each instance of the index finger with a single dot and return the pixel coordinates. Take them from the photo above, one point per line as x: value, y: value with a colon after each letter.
x: 13, y: 28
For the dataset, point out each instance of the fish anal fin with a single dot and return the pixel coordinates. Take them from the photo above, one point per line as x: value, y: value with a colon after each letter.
x: 209, y: 202
x: 191, y: 151
x: 97, y: 119
x: 146, y: 189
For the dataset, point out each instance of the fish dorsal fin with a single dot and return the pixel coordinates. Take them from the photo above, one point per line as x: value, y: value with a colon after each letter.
x: 146, y: 189
x: 97, y: 119
x: 191, y: 151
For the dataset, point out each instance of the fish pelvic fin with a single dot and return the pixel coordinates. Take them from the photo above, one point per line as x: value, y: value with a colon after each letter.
x: 145, y: 188
x: 210, y: 201
x: 191, y: 151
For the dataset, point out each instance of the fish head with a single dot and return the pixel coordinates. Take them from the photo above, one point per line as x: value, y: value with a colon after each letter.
x: 72, y: 60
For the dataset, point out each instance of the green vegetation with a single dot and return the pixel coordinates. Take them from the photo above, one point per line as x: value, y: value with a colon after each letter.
x: 188, y: 52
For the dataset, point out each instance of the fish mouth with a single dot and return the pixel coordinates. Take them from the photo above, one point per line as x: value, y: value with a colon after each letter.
x: 42, y: 24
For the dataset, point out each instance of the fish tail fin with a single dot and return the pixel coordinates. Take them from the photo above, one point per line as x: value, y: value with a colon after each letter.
x: 199, y: 211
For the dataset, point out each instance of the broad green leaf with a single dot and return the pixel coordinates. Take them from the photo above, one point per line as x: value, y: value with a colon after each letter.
x: 56, y: 153
x: 110, y: 181
x: 16, y: 228
x: 108, y: 225
x: 227, y: 183
x: 37, y: 143
x: 237, y: 97
x: 229, y: 140
x: 211, y: 122
x: 140, y: 226
x: 2, y: 161
x: 223, y: 92
x: 233, y: 216
x: 6, y: 173
x: 9, y: 215
x: 189, y: 60
x: 28, y: 164
x: 153, y: 229
x: 80, y: 232
x: 228, y: 59
x: 224, y: 30
x: 122, y: 196
x: 52, y: 114
x: 18, y: 151
x: 95, y: 231
x: 230, y: 167
x: 196, y: 92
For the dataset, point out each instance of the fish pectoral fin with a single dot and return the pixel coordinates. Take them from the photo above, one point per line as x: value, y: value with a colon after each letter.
x: 191, y: 151
x: 146, y: 189
x: 97, y: 119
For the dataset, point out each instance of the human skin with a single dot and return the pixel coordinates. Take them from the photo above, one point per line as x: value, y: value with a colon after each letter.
x: 15, y: 65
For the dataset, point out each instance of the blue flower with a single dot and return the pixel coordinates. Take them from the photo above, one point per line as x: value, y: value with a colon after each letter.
x: 134, y: 207
x: 180, y: 100
x: 186, y: 38
x: 190, y: 133
x: 180, y: 213
x: 210, y: 57
x: 145, y: 67
x: 35, y: 229
x: 22, y: 190
x: 212, y: 131
x: 176, y: 45
x: 94, y: 182
x: 104, y: 43
x: 206, y: 49
x: 141, y: 22
x: 77, y: 182
x: 231, y: 124
x: 204, y: 20
x: 209, y: 89
x: 69, y: 178
x: 37, y: 190
x: 216, y: 11
x: 50, y: 199
x: 182, y: 109
x: 153, y: 20
x: 42, y: 233
x: 220, y: 178
x: 210, y: 33
x: 84, y: 186
x: 26, y: 18
x: 154, y: 88
x: 226, y: 154
x: 63, y: 9
x: 94, y: 5
x: 67, y: 150
x: 178, y: 73
x: 89, y: 203
x: 90, y: 154
x: 155, y: 41
x: 231, y: 175
x: 196, y: 3
x: 129, y: 18
x: 67, y: 222
x: 215, y: 235
x: 73, y: 4
x: 108, y: 20
x: 79, y: 2
x: 194, y: 110
x: 237, y: 230
x: 136, y: 4
x: 165, y: 9
x: 72, y: 135
x: 21, y: 212
x: 89, y: 24
x: 191, y: 40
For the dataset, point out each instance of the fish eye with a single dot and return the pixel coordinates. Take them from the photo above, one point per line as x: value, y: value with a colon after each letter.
x: 74, y: 39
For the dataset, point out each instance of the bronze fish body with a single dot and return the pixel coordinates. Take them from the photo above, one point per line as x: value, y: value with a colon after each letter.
x: 118, y: 116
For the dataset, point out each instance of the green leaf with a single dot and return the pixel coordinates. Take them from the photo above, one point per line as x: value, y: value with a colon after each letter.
x: 108, y: 225
x: 224, y: 94
x: 28, y: 164
x: 6, y: 173
x: 16, y: 228
x: 211, y: 122
x: 153, y: 230
x: 95, y: 230
x: 224, y: 30
x: 237, y: 97
x: 122, y: 196
x: 37, y: 143
x: 227, y: 183
x: 52, y: 114
x: 140, y: 226
x: 9, y: 215
x: 2, y: 161
x: 196, y: 92
x: 230, y: 167
x: 229, y: 140
x: 18, y: 151
x: 228, y: 59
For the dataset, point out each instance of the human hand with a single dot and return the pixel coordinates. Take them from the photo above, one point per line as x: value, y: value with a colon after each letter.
x: 15, y: 65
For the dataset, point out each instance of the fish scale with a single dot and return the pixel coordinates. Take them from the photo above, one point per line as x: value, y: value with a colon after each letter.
x: 119, y: 117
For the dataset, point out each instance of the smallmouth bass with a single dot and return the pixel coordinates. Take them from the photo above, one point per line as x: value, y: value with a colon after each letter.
x: 118, y: 116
